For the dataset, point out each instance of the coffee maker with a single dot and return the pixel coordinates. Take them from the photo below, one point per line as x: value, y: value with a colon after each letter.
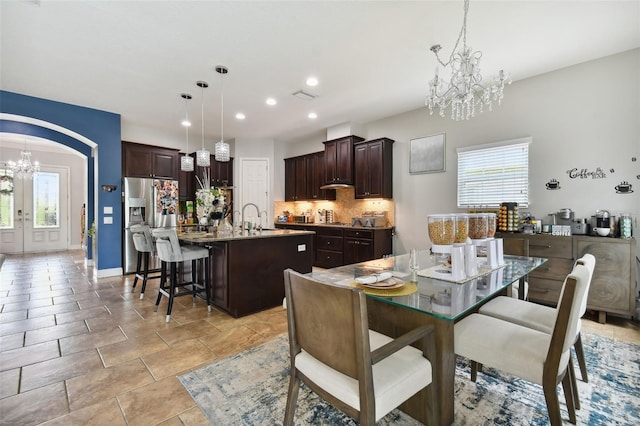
x: 602, y: 219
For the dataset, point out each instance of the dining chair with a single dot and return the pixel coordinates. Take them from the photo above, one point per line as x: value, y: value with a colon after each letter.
x: 517, y: 247
x: 172, y: 253
x: 361, y: 372
x: 145, y: 246
x: 530, y: 354
x: 541, y: 317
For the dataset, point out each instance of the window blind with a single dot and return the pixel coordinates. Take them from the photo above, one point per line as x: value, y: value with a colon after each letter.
x: 491, y: 174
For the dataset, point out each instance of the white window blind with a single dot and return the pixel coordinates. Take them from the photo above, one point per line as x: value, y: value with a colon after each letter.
x: 491, y: 174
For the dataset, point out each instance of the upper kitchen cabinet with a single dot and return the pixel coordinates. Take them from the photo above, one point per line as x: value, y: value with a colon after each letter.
x: 315, y: 178
x: 295, y: 179
x: 146, y: 161
x: 373, y: 168
x: 338, y: 160
x: 221, y: 173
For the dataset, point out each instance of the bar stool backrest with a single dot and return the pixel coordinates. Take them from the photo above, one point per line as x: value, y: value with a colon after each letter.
x: 142, y: 239
x: 168, y: 245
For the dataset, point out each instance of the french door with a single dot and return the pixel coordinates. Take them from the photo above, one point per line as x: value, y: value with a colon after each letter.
x: 34, y: 211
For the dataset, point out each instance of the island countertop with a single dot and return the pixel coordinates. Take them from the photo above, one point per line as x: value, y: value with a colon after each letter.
x: 208, y: 237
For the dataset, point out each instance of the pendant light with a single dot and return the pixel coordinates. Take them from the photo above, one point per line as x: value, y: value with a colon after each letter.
x: 221, y: 149
x: 203, y: 157
x: 186, y: 161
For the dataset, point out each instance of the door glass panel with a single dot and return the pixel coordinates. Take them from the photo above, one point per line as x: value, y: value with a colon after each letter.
x: 6, y: 199
x: 46, y: 200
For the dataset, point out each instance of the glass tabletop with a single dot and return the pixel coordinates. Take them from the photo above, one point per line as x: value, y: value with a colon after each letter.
x: 441, y: 298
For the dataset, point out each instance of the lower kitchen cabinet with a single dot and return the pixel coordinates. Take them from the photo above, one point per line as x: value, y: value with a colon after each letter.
x: 612, y: 285
x: 342, y: 245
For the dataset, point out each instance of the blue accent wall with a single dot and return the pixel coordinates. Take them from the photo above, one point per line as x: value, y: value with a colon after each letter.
x: 102, y: 128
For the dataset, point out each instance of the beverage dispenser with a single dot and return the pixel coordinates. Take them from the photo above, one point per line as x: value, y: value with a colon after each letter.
x: 137, y: 213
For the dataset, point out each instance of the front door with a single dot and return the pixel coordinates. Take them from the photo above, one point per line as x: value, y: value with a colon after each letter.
x: 34, y: 211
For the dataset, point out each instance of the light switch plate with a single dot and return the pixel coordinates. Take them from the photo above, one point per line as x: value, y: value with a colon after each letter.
x: 302, y: 247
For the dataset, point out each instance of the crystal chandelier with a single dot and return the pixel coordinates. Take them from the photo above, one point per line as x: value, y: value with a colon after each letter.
x: 186, y: 161
x: 465, y: 90
x: 221, y: 149
x: 203, y: 157
x: 24, y: 168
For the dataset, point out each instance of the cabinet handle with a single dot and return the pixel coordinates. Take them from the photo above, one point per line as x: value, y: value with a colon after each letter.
x: 541, y: 245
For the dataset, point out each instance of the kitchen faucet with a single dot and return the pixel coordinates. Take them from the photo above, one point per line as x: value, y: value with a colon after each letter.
x: 244, y: 207
x: 266, y: 214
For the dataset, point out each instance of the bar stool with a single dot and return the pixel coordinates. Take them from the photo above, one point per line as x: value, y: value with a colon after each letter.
x: 171, y: 252
x: 143, y: 242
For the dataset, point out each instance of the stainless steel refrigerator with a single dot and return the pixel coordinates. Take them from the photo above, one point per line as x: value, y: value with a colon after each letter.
x: 147, y: 201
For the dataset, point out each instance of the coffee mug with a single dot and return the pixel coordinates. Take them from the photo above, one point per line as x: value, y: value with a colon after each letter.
x: 623, y: 187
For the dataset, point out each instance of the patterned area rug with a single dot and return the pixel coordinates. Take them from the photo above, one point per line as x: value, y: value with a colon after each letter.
x: 250, y: 388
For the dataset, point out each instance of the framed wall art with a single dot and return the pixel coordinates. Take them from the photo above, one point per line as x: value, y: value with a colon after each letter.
x: 427, y: 154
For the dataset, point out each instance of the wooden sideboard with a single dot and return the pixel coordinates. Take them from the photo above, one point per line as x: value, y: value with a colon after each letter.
x: 613, y: 285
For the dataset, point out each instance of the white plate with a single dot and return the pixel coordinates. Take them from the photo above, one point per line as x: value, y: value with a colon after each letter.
x: 385, y: 285
x: 371, y: 279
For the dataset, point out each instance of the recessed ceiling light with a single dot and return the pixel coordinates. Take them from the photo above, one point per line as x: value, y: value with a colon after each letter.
x: 240, y: 116
x: 186, y: 123
x: 271, y: 101
x: 312, y: 115
x: 312, y: 81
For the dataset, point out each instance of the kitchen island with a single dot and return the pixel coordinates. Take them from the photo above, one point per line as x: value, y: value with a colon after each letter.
x: 247, y: 268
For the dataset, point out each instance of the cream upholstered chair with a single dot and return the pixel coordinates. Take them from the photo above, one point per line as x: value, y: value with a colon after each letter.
x: 145, y: 246
x: 359, y: 371
x: 172, y: 253
x: 530, y: 354
x: 540, y: 317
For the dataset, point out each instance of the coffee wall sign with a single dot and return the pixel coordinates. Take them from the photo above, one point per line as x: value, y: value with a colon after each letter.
x: 577, y: 173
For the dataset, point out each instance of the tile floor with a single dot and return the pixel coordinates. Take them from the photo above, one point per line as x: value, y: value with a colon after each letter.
x: 78, y: 350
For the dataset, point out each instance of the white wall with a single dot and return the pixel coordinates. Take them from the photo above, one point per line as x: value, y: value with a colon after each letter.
x: 585, y: 116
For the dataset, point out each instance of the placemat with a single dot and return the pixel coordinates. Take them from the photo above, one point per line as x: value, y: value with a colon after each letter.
x: 407, y: 289
x: 431, y: 273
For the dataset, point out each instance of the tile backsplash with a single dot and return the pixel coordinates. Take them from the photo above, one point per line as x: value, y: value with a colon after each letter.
x: 345, y: 207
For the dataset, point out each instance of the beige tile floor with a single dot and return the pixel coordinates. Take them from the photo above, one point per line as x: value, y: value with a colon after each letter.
x: 78, y: 350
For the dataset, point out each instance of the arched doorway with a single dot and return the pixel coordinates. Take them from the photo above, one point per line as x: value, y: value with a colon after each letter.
x: 42, y: 212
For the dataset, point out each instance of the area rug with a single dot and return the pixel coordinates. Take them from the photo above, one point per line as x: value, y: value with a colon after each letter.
x: 250, y: 388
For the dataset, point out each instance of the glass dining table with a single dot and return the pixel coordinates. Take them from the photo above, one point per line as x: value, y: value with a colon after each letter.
x: 424, y: 299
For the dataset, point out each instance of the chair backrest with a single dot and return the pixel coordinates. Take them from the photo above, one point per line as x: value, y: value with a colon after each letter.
x: 142, y: 239
x: 329, y: 322
x: 575, y: 285
x: 167, y: 245
x: 516, y: 246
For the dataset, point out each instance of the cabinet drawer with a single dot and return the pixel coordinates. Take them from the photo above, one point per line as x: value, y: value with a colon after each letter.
x: 329, y: 242
x: 548, y: 246
x: 328, y: 230
x: 358, y: 233
x: 554, y: 269
x: 544, y: 290
x: 329, y: 258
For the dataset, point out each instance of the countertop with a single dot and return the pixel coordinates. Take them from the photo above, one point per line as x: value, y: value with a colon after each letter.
x: 205, y: 237
x: 332, y: 225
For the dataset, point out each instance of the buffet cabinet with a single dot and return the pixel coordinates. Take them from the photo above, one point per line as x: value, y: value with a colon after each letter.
x: 614, y: 279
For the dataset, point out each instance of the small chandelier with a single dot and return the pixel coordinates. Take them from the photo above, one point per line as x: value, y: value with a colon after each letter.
x: 186, y: 161
x: 24, y: 168
x: 203, y: 157
x: 465, y: 90
x: 221, y: 149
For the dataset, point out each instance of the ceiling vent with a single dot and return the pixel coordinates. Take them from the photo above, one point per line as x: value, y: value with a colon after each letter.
x: 301, y: 94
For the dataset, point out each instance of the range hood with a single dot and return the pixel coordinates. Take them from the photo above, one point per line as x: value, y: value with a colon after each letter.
x: 336, y: 186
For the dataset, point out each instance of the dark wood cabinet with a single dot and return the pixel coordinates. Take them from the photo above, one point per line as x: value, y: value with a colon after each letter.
x: 295, y: 177
x: 303, y: 177
x: 373, y: 168
x: 342, y: 245
x: 148, y: 161
x: 338, y: 160
x: 220, y: 175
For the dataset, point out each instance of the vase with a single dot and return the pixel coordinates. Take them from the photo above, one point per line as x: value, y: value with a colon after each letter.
x: 204, y: 221
x: 225, y: 227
